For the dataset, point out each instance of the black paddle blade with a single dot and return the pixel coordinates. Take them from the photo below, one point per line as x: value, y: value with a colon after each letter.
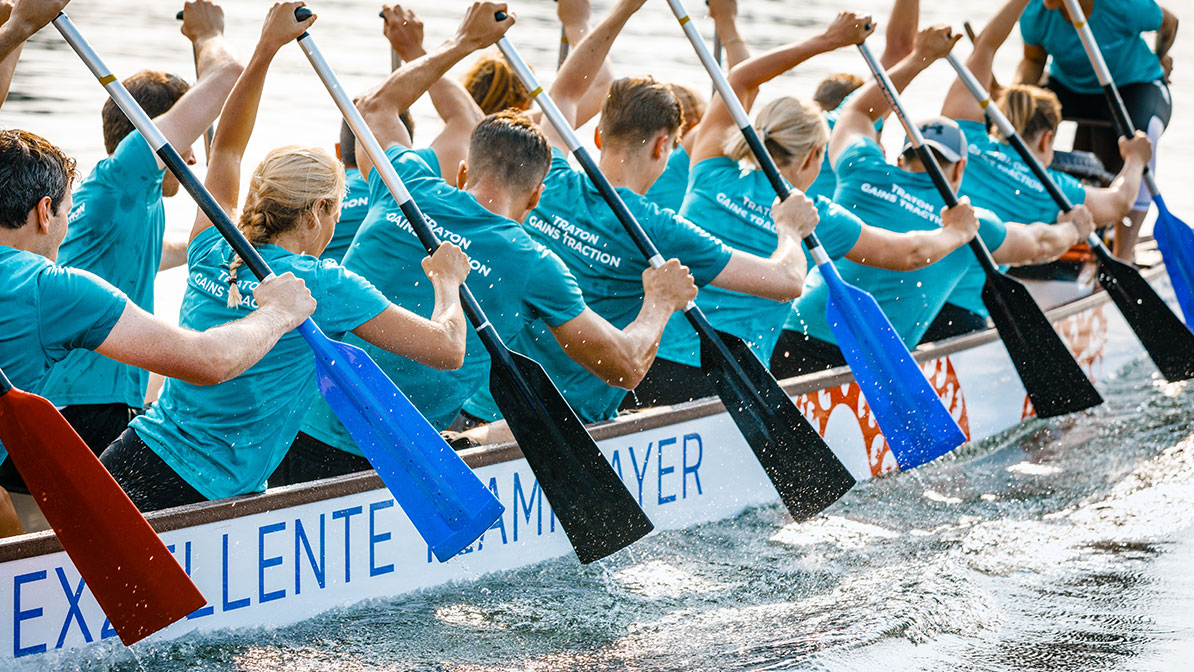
x: 801, y: 466
x: 1054, y: 381
x: 596, y: 511
x: 1169, y: 343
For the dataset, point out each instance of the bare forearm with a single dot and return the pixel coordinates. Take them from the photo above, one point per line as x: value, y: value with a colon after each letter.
x: 174, y: 253
x: 1167, y: 34
x: 638, y: 344
x: 870, y: 100
x: 909, y: 251
x: 225, y: 352
x: 240, y: 110
x: 448, y: 316
x: 1127, y: 184
x: 585, y: 62
x: 1029, y: 71
x: 901, y: 31
x: 735, y: 47
x: 753, y: 73
x: 8, y: 66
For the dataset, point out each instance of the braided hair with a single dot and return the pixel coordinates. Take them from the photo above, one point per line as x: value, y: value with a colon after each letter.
x: 492, y: 84
x: 287, y: 186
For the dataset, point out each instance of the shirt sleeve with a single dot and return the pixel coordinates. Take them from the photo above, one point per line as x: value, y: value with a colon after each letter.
x: 553, y: 296
x: 1032, y: 25
x: 703, y: 253
x: 1146, y: 15
x: 991, y: 229
x: 838, y: 229
x: 430, y: 158
x: 346, y: 300
x: 76, y: 310
x: 862, y: 152
x: 133, y: 166
x: 974, y: 131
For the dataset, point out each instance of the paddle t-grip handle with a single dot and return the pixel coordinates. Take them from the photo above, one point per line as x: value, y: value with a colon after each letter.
x: 300, y: 14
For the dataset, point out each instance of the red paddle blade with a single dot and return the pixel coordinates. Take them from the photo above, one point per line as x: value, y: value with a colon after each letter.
x: 136, y: 581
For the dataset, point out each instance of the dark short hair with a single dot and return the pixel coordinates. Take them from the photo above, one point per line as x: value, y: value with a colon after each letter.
x: 31, y: 168
x: 637, y: 108
x: 156, y: 92
x: 833, y: 90
x: 511, y: 148
x: 348, y: 141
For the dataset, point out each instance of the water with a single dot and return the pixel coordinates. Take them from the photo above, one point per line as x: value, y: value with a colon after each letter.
x: 1060, y: 545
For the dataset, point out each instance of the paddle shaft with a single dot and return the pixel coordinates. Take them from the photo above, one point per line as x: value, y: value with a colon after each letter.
x: 210, y: 133
x: 389, y: 176
x: 395, y: 59
x: 1119, y: 111
x: 926, y: 157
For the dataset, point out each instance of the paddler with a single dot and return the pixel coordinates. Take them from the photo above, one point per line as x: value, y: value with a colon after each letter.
x: 118, y: 222
x: 1141, y: 74
x: 999, y: 180
x: 199, y: 443
x: 902, y: 198
x: 514, y: 278
x: 639, y: 128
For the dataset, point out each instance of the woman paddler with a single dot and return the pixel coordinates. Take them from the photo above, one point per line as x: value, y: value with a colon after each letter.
x: 199, y: 443
x: 729, y: 196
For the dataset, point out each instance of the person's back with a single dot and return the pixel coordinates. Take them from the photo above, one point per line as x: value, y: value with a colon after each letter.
x: 118, y: 222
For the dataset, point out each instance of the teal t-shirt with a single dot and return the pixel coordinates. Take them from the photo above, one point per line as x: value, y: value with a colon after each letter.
x: 574, y: 221
x: 47, y: 311
x: 116, y: 229
x: 886, y: 196
x: 733, y: 203
x: 998, y: 180
x: 668, y: 190
x: 514, y: 278
x: 355, y: 206
x: 353, y: 209
x: 1116, y: 25
x: 226, y: 439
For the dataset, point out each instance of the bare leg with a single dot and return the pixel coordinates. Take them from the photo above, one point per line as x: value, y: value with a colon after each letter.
x: 10, y: 525
x: 1127, y: 232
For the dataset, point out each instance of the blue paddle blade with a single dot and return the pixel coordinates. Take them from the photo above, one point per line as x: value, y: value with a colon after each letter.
x: 915, y: 423
x: 444, y: 499
x: 1175, y: 240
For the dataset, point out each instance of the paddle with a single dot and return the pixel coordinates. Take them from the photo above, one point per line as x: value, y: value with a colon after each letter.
x: 593, y: 506
x: 915, y: 423
x: 807, y: 474
x: 210, y: 133
x: 1168, y: 342
x: 446, y: 501
x: 564, y: 45
x: 1174, y: 237
x: 1054, y: 381
x: 395, y: 59
x: 135, y: 579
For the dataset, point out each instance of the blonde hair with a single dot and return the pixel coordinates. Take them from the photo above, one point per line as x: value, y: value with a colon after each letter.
x: 492, y: 84
x: 789, y: 128
x: 1031, y: 109
x: 691, y: 103
x: 288, y: 184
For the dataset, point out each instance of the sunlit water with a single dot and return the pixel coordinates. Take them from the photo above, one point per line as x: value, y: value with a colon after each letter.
x: 1060, y: 545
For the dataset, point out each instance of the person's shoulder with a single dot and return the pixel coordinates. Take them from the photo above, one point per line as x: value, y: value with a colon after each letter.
x: 410, y: 162
x: 861, y: 152
x: 208, y: 241
x: 60, y: 281
x: 828, y: 209
x: 714, y: 166
x: 134, y: 153
x: 975, y: 132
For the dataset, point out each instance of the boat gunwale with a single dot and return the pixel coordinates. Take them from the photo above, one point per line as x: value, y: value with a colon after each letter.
x: 276, y: 499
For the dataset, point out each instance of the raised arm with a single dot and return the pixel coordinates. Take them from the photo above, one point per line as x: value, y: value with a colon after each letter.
x: 1032, y: 65
x: 240, y: 112
x: 584, y: 64
x: 460, y: 113
x: 859, y: 117
x: 959, y: 104
x: 404, y: 86
x: 725, y: 18
x: 18, y: 23
x: 203, y: 25
x: 574, y: 16
x: 1113, y: 203
x: 901, y: 32
x: 748, y: 76
x: 622, y: 357
x: 218, y: 354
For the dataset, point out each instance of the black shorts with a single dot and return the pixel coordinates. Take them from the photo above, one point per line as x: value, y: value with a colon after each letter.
x: 1096, y: 127
x: 146, y: 479
x: 97, y: 424
x: 310, y: 459
x: 953, y: 321
x: 669, y: 383
x: 797, y: 354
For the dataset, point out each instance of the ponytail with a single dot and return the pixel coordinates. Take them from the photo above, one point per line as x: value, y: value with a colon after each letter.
x: 287, y: 186
x: 1031, y: 110
x: 492, y: 84
x: 788, y: 127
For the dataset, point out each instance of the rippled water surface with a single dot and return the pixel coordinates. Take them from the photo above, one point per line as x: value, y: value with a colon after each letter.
x: 1060, y: 545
